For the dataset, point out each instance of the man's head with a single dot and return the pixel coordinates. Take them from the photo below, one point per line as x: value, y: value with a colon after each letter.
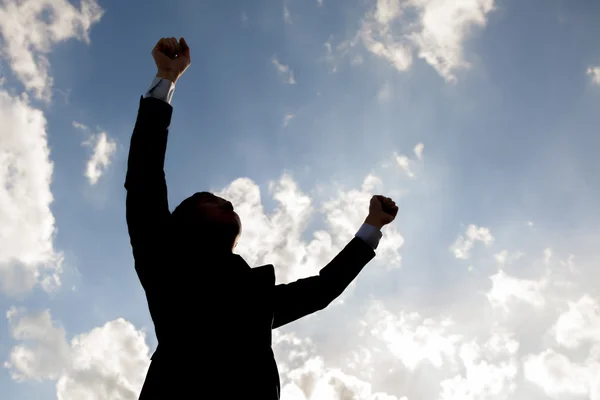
x: 209, y: 218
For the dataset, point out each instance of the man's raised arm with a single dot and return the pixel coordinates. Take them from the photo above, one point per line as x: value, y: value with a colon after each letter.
x: 305, y: 296
x: 147, y: 207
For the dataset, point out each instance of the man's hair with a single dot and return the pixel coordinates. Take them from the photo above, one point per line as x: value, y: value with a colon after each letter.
x: 186, y: 213
x: 191, y: 225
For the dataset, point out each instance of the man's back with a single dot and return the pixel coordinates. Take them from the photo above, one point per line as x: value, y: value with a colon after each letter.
x: 210, y: 323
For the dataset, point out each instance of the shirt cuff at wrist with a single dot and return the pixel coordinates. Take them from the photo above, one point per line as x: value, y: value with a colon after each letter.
x: 370, y: 234
x: 161, y: 89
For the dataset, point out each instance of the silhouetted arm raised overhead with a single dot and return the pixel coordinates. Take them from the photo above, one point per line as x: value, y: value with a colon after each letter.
x: 305, y: 296
x: 147, y: 208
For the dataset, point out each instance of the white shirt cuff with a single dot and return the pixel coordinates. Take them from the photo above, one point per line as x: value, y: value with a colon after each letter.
x: 370, y: 235
x: 161, y: 89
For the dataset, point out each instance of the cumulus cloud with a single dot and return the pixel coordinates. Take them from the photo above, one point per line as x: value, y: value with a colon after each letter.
x: 379, y: 38
x: 479, y: 345
x: 506, y: 288
x: 559, y: 377
x: 284, y: 71
x: 306, y: 377
x: 111, y: 361
x: 443, y: 28
x: 412, y: 338
x: 579, y: 324
x: 490, y: 370
x: 27, y: 254
x: 554, y: 370
x: 347, y: 210
x: 435, y: 29
x: 103, y: 149
x: 108, y: 362
x: 279, y: 237
x: 439, y: 353
x: 464, y: 243
x: 594, y: 73
x: 30, y: 28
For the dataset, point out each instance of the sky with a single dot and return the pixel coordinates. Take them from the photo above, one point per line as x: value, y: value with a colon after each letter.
x: 478, y: 117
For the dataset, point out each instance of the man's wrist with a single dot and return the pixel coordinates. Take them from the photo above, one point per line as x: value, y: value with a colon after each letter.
x: 173, y: 77
x: 373, y: 222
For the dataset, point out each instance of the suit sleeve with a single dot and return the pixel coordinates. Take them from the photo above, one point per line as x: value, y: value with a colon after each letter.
x: 305, y: 296
x: 147, y: 208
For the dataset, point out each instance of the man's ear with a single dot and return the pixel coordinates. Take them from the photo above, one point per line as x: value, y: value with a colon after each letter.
x: 237, y: 239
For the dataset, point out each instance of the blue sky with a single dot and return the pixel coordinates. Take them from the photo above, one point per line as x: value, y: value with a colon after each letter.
x: 479, y: 117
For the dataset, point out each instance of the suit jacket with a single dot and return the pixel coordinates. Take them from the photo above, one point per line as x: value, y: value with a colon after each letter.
x: 212, y: 313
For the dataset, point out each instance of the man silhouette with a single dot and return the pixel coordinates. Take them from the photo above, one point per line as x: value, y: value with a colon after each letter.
x: 212, y: 313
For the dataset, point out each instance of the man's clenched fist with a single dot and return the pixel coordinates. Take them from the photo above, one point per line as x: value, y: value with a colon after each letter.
x: 172, y: 58
x: 382, y: 211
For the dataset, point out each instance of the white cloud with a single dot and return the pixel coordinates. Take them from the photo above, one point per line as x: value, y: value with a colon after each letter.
x: 27, y: 254
x: 48, y: 353
x: 581, y: 323
x: 287, y: 118
x: 408, y: 165
x: 411, y: 338
x: 443, y: 28
x: 441, y: 349
x: 320, y: 2
x: 347, y: 210
x: 570, y: 364
x: 404, y: 163
x: 489, y: 370
x: 464, y: 243
x: 379, y: 38
x: 506, y: 288
x: 287, y: 17
x: 573, y: 368
x: 436, y: 29
x: 594, y: 73
x: 284, y: 70
x: 418, y: 150
x: 559, y: 377
x: 505, y: 257
x: 103, y: 149
x: 29, y: 30
x: 306, y: 377
x: 278, y: 238
x: 108, y: 362
x: 462, y: 360
x: 87, y: 366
